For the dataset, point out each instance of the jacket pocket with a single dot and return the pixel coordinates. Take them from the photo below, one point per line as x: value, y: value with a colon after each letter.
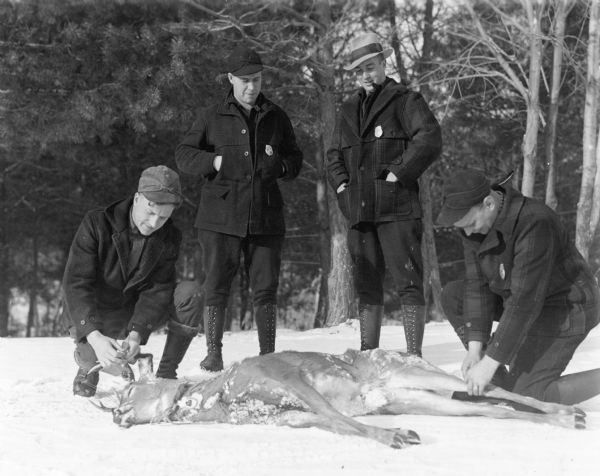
x: 215, y: 202
x: 391, y: 198
x: 344, y: 202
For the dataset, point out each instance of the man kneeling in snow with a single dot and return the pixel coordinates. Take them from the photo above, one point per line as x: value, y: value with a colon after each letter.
x: 119, y: 282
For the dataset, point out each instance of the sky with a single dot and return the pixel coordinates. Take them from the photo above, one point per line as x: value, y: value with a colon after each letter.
x: 45, y: 430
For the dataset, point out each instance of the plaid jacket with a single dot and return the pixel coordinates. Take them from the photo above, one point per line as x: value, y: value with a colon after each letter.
x: 399, y: 135
x: 528, y: 262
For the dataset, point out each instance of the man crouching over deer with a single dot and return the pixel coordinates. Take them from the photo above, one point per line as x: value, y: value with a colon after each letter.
x: 119, y: 283
x: 304, y: 389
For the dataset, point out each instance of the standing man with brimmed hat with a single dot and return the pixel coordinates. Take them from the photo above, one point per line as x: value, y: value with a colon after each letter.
x: 119, y: 282
x: 523, y: 271
x: 385, y: 138
x: 241, y: 147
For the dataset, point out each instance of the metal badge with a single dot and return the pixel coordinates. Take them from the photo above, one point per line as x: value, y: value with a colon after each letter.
x: 269, y: 150
x: 502, y: 271
x: 378, y: 131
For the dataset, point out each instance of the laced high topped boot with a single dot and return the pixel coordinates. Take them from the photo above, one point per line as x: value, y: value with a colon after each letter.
x: 413, y: 317
x: 179, y: 338
x: 214, y: 322
x: 265, y: 316
x: 370, y: 317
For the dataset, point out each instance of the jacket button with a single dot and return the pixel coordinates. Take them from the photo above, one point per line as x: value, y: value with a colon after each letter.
x: 243, y: 131
x: 249, y: 177
x: 362, y: 167
x: 82, y: 322
x: 362, y: 204
x: 246, y: 154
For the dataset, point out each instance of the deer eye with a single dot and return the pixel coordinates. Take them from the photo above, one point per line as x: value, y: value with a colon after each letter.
x: 190, y: 403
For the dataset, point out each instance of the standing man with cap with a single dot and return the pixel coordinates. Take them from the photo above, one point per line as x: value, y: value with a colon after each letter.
x: 119, y: 282
x: 523, y: 271
x: 241, y: 147
x: 385, y: 138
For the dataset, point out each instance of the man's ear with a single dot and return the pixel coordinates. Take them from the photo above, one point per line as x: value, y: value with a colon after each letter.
x: 489, y: 202
x: 230, y: 77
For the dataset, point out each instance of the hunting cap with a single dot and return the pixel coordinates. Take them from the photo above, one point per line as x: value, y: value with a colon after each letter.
x: 243, y: 60
x: 365, y: 47
x: 462, y: 191
x: 160, y: 184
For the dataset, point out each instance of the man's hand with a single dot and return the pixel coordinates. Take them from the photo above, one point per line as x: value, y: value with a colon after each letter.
x: 342, y: 187
x: 106, y: 349
x: 132, y: 346
x: 217, y: 162
x: 480, y: 375
x: 474, y: 355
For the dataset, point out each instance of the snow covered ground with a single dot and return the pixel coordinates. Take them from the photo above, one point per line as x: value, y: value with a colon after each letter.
x: 45, y: 430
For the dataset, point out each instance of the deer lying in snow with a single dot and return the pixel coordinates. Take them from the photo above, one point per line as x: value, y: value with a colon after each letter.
x: 303, y: 389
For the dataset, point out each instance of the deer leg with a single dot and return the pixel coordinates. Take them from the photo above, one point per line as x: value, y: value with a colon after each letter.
x: 327, y: 417
x: 396, y: 438
x: 439, y: 381
x: 415, y: 401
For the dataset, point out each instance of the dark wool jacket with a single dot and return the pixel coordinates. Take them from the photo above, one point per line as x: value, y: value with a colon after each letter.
x: 400, y: 135
x: 243, y: 197
x: 95, y: 281
x: 528, y: 262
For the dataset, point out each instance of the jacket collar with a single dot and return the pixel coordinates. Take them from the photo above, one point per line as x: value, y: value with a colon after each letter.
x: 351, y: 109
x: 505, y: 222
x: 230, y: 105
x: 118, y: 215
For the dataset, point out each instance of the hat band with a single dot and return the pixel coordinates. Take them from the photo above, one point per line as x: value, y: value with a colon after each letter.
x: 158, y: 188
x: 365, y: 50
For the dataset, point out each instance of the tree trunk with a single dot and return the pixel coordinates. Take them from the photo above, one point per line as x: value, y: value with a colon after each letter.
x: 336, y: 267
x: 321, y: 310
x: 432, y: 285
x: 4, y: 289
x: 534, y: 13
x: 589, y: 182
x: 32, y: 315
x: 390, y: 6
x: 561, y: 10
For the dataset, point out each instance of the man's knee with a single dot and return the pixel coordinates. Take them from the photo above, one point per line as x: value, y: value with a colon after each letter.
x: 85, y: 356
x: 188, y: 300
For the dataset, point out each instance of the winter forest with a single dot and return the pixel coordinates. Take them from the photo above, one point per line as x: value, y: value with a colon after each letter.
x: 93, y: 92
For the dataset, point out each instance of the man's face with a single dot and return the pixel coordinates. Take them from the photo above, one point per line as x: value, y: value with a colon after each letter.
x: 149, y: 216
x: 479, y: 219
x: 246, y: 88
x: 371, y: 72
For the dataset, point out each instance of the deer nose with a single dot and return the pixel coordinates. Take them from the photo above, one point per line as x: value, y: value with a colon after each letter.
x: 117, y: 416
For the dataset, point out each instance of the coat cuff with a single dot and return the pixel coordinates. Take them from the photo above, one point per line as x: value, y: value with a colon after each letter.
x: 85, y: 326
x: 143, y: 329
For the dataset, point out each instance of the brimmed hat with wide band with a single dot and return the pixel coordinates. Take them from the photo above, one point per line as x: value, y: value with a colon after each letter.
x: 365, y: 47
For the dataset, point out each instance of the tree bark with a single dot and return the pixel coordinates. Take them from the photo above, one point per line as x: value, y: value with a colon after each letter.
x: 4, y: 288
x: 336, y: 266
x: 562, y: 9
x: 534, y: 11
x: 432, y: 285
x: 589, y: 192
x: 32, y: 314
